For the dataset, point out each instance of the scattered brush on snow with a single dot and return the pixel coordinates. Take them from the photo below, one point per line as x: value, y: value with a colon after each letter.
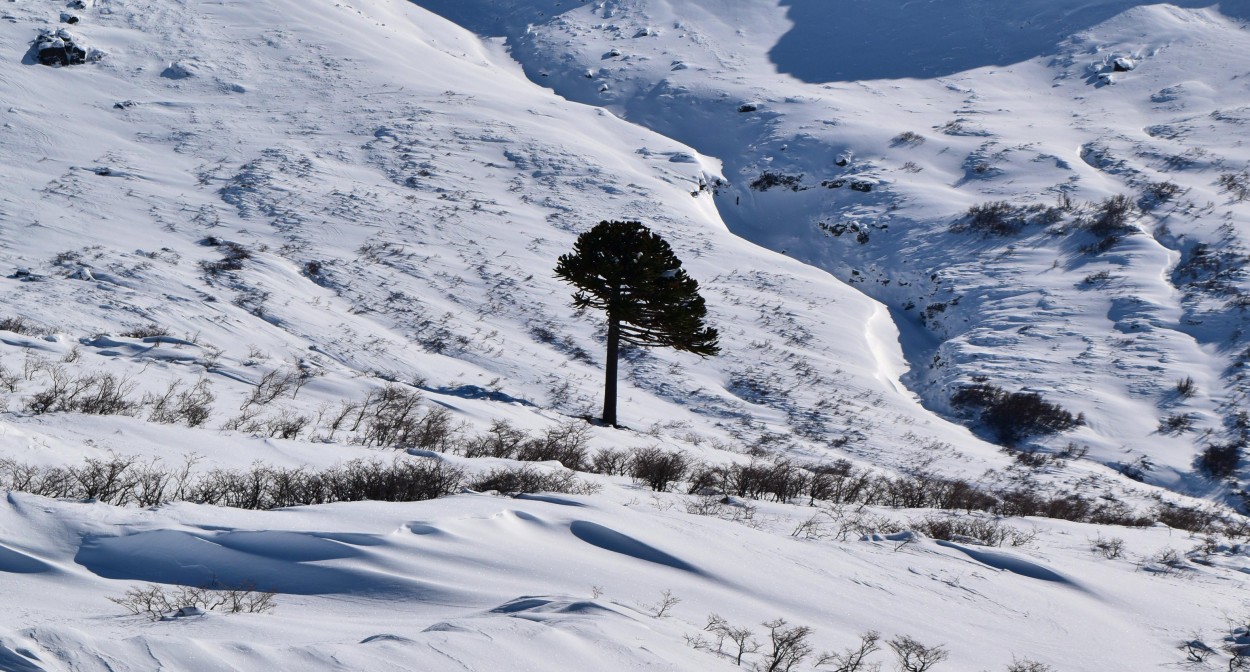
x: 159, y: 602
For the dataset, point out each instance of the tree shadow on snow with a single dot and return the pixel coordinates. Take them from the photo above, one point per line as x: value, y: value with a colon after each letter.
x: 894, y: 39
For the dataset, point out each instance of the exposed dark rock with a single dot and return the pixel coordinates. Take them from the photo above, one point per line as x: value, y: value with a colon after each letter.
x: 58, y: 47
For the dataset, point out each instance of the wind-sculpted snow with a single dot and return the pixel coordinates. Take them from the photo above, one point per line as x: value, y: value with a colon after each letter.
x: 16, y: 562
x: 611, y: 540
x: 250, y: 223
x: 1013, y: 564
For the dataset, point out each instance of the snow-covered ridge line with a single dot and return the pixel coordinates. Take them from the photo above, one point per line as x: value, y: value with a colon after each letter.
x: 308, y: 204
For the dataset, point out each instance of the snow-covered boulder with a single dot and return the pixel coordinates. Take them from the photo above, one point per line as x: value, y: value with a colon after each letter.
x: 1123, y: 64
x: 58, y: 47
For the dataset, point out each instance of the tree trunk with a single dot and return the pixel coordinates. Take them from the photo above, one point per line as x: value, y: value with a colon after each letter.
x: 609, y: 385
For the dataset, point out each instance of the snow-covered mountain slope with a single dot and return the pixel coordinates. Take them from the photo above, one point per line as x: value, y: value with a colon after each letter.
x: 279, y: 208
x: 938, y: 108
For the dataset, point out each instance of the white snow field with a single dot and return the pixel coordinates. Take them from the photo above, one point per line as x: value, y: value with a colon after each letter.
x: 245, y: 234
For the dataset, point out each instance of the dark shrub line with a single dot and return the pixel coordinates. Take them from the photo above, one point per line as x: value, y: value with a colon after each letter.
x: 123, y: 481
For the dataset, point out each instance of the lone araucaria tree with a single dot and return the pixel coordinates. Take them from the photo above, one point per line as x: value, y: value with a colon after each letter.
x: 631, y: 274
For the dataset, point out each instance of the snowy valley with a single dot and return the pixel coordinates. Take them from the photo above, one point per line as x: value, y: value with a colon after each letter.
x: 279, y: 314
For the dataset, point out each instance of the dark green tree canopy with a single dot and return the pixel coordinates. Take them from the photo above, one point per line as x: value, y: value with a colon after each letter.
x: 626, y: 270
x: 631, y: 274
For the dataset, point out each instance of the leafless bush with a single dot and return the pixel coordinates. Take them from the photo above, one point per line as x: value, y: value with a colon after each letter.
x: 998, y: 218
x: 664, y: 605
x: 789, y: 646
x: 742, y: 638
x: 658, y: 468
x: 146, y: 331
x: 530, y: 479
x: 854, y: 659
x: 501, y: 440
x: 286, y: 425
x: 1014, y: 416
x: 1159, y: 192
x: 1190, y: 518
x: 611, y: 462
x: 9, y: 380
x: 158, y: 602
x: 914, y: 656
x: 1110, y: 223
x: 1109, y: 548
x: 1236, y: 184
x: 126, y: 480
x: 1185, y: 387
x: 1220, y: 460
x: 233, y: 256
x: 975, y: 529
x: 1167, y: 561
x: 392, y: 418
x: 565, y: 443
x: 907, y: 139
x: 190, y: 407
x: 780, y: 480
x: 93, y: 394
x: 724, y: 508
x: 272, y: 385
x: 17, y: 325
x: 1176, y: 423
x: 1026, y: 665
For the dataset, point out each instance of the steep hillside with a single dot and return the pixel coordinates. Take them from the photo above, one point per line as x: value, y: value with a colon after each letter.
x: 857, y: 137
x: 278, y: 312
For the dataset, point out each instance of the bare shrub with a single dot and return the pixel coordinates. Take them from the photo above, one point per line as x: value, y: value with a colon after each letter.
x: 724, y: 508
x: 998, y: 218
x: 1026, y: 665
x: 1167, y: 561
x: 914, y: 656
x: 664, y: 605
x: 1176, y: 423
x: 611, y: 462
x: 530, y: 479
x: 1159, y: 192
x: 17, y: 325
x: 93, y: 394
x: 658, y: 468
x: 158, y: 602
x: 1014, y: 416
x: 124, y: 480
x: 1189, y: 518
x: 1109, y: 548
x: 907, y: 139
x: 565, y: 443
x: 233, y: 256
x: 974, y: 529
x: 1110, y: 223
x: 788, y: 646
x: 146, y: 331
x: 742, y: 638
x: 1185, y: 387
x: 501, y: 440
x: 854, y: 659
x: 1220, y: 460
x: 1236, y: 184
x: 780, y: 480
x: 1111, y: 216
x: 271, y: 385
x: 286, y: 425
x: 392, y: 418
x: 9, y: 380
